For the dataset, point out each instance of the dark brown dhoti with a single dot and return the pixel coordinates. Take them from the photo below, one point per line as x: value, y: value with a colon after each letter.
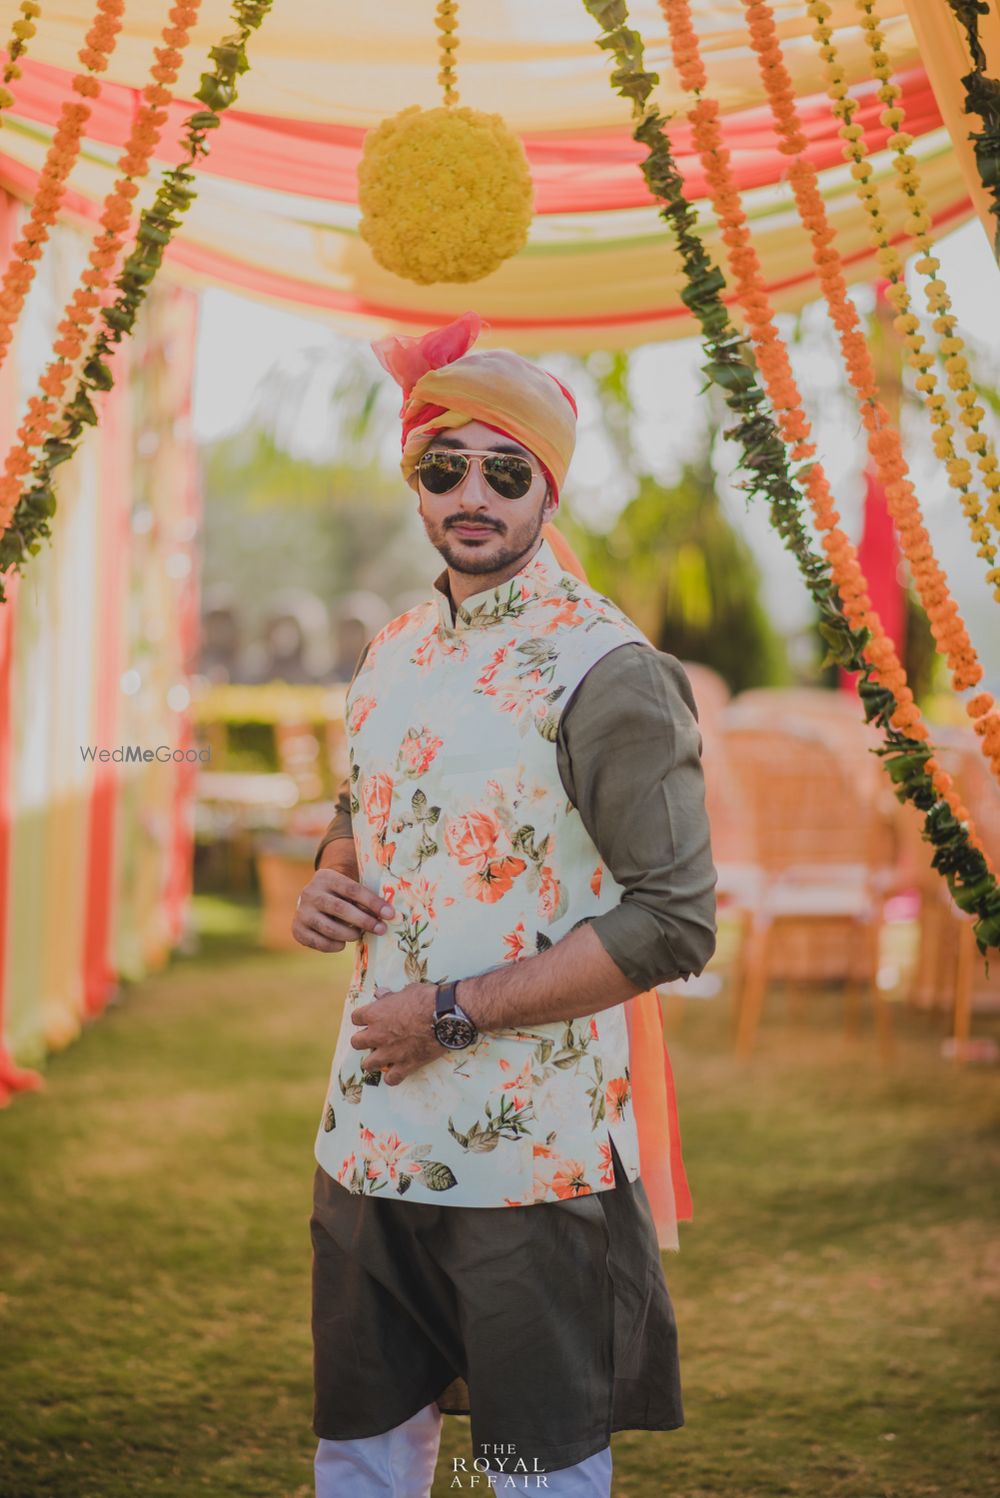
x: 550, y: 1325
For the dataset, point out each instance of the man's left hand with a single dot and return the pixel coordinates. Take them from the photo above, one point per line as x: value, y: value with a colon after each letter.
x: 396, y: 1031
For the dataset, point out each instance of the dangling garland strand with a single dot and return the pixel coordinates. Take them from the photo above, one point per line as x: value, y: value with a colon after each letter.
x: 116, y: 214
x: 59, y: 162
x: 20, y: 34
x: 947, y: 625
x: 982, y: 97
x: 783, y: 393
x: 906, y: 322
x: 972, y: 884
x: 446, y: 21
x: 936, y: 292
x: 157, y: 224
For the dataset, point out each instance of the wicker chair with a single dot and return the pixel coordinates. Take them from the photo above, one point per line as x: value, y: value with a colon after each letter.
x: 820, y: 860
x: 950, y: 975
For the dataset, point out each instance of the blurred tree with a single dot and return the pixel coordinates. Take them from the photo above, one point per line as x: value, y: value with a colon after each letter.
x: 672, y: 559
x: 278, y: 518
x: 674, y: 563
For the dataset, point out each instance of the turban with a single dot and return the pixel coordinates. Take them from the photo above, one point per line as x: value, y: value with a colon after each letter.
x: 446, y: 385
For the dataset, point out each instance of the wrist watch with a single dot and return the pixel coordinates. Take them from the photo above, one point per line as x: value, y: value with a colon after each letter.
x: 452, y: 1026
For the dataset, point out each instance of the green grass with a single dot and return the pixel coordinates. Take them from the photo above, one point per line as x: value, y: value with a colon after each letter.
x: 835, y: 1292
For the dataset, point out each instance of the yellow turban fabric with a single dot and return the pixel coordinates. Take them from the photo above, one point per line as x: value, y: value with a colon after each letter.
x: 446, y: 385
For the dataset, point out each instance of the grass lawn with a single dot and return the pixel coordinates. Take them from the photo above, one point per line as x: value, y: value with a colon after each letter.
x: 835, y: 1292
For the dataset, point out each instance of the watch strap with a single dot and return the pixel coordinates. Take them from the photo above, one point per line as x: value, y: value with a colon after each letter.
x: 444, y: 1000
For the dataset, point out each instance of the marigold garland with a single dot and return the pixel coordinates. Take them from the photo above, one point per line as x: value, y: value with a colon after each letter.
x: 782, y: 389
x: 59, y: 161
x: 919, y: 224
x: 446, y: 21
x: 20, y: 34
x: 855, y: 151
x: 157, y: 224
x: 947, y: 625
x: 909, y: 761
x: 115, y: 218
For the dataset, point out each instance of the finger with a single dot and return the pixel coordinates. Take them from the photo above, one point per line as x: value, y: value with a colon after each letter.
x: 306, y: 937
x: 342, y: 930
x: 329, y: 881
x: 358, y: 916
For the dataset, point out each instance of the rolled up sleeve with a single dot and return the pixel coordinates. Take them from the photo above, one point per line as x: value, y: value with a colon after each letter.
x: 629, y: 756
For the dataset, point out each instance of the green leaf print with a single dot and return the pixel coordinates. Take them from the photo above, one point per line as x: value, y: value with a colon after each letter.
x: 351, y: 1090
x: 548, y: 727
x: 403, y: 1184
x: 438, y: 1176
x: 329, y: 1118
x: 371, y: 1078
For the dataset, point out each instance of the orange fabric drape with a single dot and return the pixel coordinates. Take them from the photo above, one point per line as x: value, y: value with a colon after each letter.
x: 945, y: 54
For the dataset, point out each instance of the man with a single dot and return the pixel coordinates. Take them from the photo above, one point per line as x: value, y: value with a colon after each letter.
x: 521, y: 847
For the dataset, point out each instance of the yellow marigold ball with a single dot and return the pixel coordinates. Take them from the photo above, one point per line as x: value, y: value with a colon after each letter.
x: 445, y: 194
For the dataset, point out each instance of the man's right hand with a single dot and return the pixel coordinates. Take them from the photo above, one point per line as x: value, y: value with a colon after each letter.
x: 334, y: 908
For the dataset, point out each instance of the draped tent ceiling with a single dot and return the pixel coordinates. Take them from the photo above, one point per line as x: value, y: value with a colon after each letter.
x: 276, y: 214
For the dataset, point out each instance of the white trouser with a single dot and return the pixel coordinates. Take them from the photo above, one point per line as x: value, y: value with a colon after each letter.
x: 400, y: 1464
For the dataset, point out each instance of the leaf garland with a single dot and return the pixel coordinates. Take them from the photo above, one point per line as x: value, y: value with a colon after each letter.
x: 972, y: 884
x: 30, y: 524
x: 982, y: 97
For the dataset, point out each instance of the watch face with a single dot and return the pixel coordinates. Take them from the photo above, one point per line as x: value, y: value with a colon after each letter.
x: 454, y: 1032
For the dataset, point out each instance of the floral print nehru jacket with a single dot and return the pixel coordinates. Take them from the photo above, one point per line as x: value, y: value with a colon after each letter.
x: 461, y: 820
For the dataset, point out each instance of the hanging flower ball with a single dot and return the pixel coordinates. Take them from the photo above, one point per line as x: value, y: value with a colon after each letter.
x: 445, y: 194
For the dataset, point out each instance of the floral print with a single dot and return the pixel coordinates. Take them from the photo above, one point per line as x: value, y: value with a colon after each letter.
x: 461, y: 822
x: 417, y: 751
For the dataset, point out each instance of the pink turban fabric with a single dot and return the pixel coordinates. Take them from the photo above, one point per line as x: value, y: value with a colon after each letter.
x: 446, y: 385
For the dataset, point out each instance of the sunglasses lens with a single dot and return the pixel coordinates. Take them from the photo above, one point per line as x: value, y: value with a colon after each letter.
x: 440, y: 472
x: 509, y: 476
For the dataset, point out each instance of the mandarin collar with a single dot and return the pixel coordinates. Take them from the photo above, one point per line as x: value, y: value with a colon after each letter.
x: 539, y: 576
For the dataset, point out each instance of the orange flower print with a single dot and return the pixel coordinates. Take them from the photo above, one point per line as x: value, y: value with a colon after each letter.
x: 595, y: 879
x: 376, y: 801
x: 496, y: 661
x: 515, y: 943
x: 570, y: 1180
x: 616, y: 1096
x: 607, y: 1166
x: 593, y: 1028
x: 388, y: 1157
x: 555, y: 613
x: 431, y: 644
x: 346, y: 1170
x: 491, y: 882
x: 420, y: 897
x: 417, y: 751
x: 472, y: 837
x: 549, y: 893
x: 521, y: 694
x: 522, y: 1081
x: 360, y: 708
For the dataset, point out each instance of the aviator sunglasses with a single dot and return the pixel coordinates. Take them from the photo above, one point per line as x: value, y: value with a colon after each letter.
x: 507, y: 475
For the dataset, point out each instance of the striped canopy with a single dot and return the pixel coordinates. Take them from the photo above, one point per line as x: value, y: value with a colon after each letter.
x: 277, y: 214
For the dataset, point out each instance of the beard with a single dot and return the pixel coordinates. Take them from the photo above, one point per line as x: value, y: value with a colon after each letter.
x: 504, y: 546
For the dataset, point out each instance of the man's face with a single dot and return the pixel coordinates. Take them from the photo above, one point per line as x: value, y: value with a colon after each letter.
x: 474, y: 529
